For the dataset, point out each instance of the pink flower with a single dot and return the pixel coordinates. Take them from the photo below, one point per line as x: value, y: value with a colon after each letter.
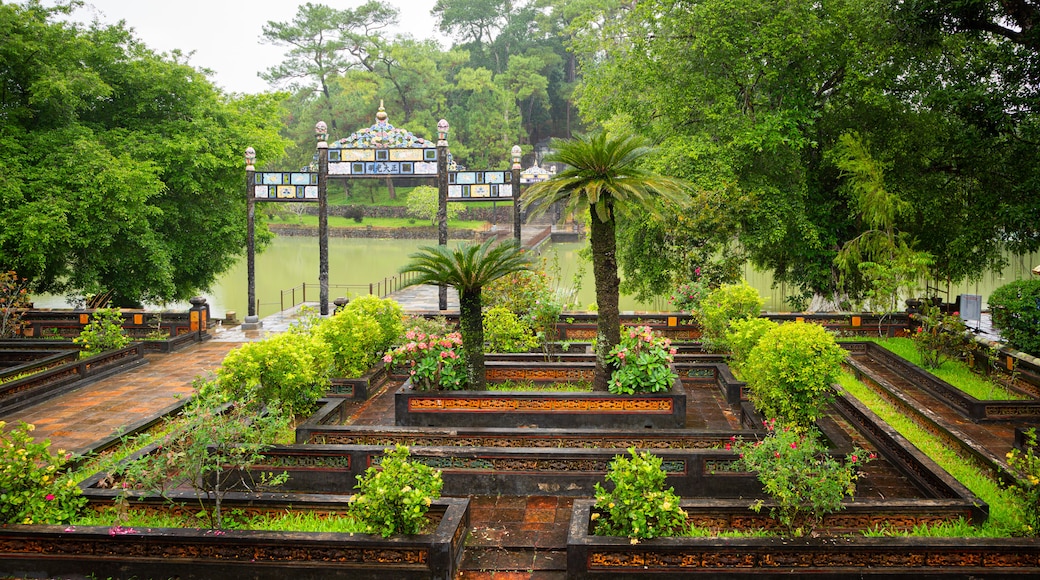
x: 410, y: 335
x: 854, y: 458
x: 794, y: 445
x: 389, y: 358
x: 621, y: 355
x: 728, y: 447
x: 673, y: 351
x: 777, y: 453
x: 49, y: 497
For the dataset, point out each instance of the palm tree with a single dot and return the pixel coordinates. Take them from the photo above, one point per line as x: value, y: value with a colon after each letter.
x: 468, y: 269
x: 604, y: 175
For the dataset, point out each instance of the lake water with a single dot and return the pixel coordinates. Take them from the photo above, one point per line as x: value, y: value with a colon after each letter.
x: 355, y: 263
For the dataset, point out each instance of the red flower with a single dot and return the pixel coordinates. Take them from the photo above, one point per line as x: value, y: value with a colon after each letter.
x: 49, y: 497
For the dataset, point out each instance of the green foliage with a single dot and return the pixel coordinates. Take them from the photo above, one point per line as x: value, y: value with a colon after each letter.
x: 13, y: 299
x: 394, y: 498
x: 1016, y: 312
x: 103, y: 333
x: 743, y: 337
x: 687, y: 297
x: 142, y: 171
x: 432, y: 360
x: 422, y: 204
x: 211, y: 446
x: 353, y: 339
x: 796, y: 471
x: 940, y: 337
x: 414, y: 324
x: 386, y: 311
x: 642, y: 362
x: 468, y: 268
x: 505, y: 332
x: 790, y: 372
x: 1026, y: 486
x: 638, y: 506
x: 723, y: 305
x: 289, y: 369
x: 34, y: 489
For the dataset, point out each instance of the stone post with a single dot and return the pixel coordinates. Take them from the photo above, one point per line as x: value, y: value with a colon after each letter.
x: 516, y: 193
x: 252, y: 321
x: 321, y: 133
x: 442, y: 200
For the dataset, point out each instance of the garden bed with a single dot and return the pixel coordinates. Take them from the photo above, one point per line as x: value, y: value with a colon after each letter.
x: 363, y: 387
x: 54, y: 551
x: 540, y: 409
x: 60, y: 379
x: 590, y: 556
x: 967, y: 406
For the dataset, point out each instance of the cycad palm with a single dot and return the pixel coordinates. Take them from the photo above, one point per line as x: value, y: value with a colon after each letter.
x: 468, y: 268
x: 604, y: 175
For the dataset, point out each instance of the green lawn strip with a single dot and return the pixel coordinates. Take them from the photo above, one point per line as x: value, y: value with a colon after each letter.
x: 1004, y: 514
x: 286, y: 521
x: 954, y: 372
x: 522, y: 386
x: 342, y: 222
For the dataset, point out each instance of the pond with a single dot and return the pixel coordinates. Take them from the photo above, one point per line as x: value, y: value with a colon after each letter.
x: 355, y: 263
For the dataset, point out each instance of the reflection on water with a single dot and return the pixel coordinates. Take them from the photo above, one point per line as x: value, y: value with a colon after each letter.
x: 355, y: 263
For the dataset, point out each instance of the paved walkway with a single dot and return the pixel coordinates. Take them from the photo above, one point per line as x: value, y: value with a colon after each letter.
x: 84, y: 418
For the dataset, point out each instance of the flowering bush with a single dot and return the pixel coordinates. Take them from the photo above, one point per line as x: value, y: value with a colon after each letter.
x: 104, y: 332
x: 32, y: 488
x: 433, y: 361
x: 639, y: 506
x: 1027, y: 482
x: 394, y: 499
x: 939, y: 337
x: 13, y: 299
x: 797, y: 473
x: 687, y: 297
x: 642, y: 360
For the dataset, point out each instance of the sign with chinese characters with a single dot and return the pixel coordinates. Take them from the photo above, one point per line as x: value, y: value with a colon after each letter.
x: 421, y: 162
x: 479, y: 185
x: 286, y: 186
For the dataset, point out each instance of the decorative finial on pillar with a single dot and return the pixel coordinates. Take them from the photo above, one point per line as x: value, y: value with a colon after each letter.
x: 442, y: 133
x: 321, y: 133
x: 250, y: 158
x: 381, y: 115
x: 517, y: 152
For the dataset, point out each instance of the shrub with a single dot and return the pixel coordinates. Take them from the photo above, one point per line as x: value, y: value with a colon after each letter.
x: 505, y: 332
x: 291, y: 369
x: 394, y: 499
x: 797, y: 473
x: 939, y: 337
x: 1016, y: 312
x: 353, y: 340
x: 642, y: 363
x: 639, y: 506
x: 212, y: 446
x: 433, y: 361
x: 744, y: 335
x: 354, y: 212
x: 1026, y: 486
x: 103, y: 333
x: 33, y: 488
x: 723, y: 305
x: 13, y: 299
x: 386, y: 312
x: 790, y: 372
x: 422, y: 204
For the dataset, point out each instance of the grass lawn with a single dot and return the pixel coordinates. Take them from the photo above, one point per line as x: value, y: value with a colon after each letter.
x: 954, y: 372
x: 342, y: 222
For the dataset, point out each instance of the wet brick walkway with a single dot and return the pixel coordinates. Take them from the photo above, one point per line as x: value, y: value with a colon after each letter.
x: 82, y: 419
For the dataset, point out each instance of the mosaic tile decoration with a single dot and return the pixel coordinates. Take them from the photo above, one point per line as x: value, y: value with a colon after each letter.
x: 286, y: 186
x: 463, y: 185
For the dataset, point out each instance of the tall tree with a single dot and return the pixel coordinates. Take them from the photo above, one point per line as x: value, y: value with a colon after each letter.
x: 604, y: 176
x: 468, y: 268
x: 122, y: 169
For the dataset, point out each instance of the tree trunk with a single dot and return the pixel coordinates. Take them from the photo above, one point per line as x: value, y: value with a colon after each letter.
x: 471, y: 325
x: 604, y: 270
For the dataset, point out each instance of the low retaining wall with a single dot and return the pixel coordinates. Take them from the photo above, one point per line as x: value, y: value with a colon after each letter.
x: 590, y: 556
x: 54, y: 551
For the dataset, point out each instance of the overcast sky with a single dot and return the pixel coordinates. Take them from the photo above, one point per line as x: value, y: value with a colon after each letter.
x: 225, y: 34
